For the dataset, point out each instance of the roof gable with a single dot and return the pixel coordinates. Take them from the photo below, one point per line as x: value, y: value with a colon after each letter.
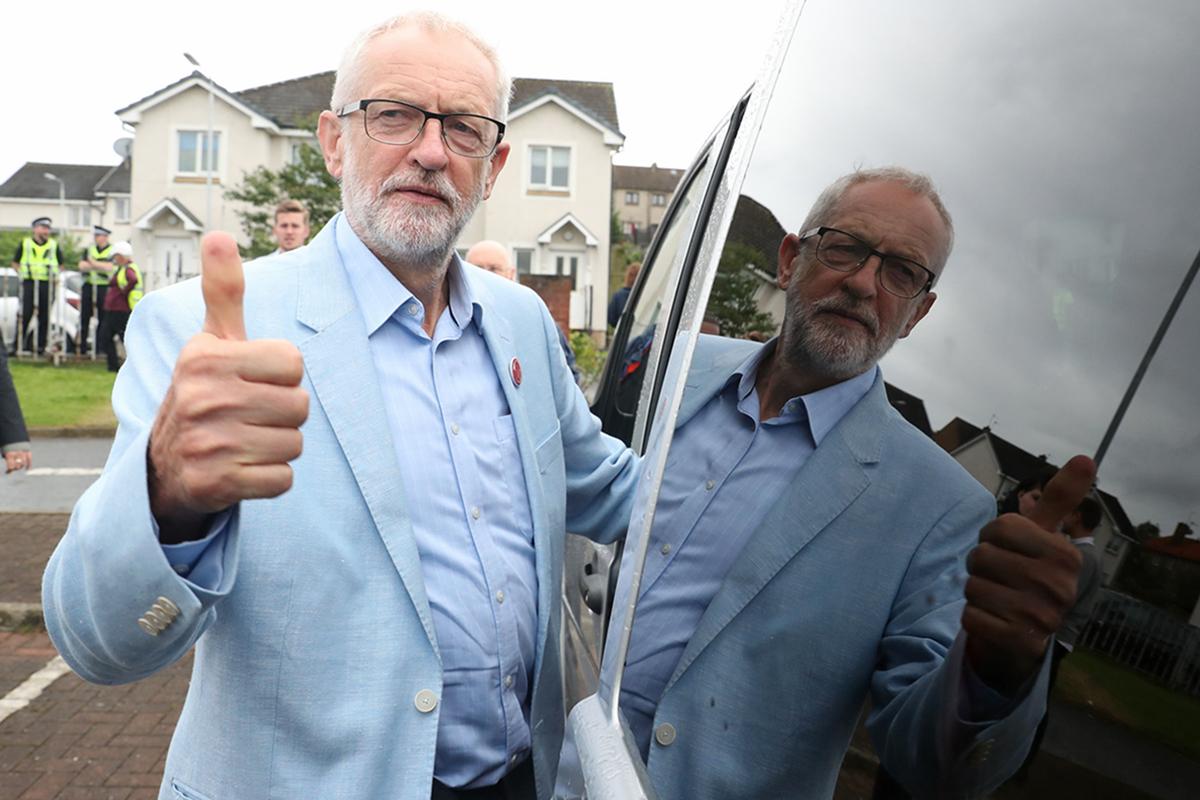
x: 80, y: 181
x: 132, y: 113
x: 647, y: 179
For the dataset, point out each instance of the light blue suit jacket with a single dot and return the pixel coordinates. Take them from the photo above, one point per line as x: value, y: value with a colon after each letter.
x: 852, y: 584
x: 312, y: 651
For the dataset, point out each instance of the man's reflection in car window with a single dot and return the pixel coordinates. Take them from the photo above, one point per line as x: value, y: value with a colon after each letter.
x: 809, y: 545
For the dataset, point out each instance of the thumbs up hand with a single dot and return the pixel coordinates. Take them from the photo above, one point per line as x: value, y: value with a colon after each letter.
x: 229, y: 423
x: 1023, y: 582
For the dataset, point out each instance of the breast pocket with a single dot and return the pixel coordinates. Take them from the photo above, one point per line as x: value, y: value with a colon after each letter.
x: 552, y: 477
x: 513, y: 475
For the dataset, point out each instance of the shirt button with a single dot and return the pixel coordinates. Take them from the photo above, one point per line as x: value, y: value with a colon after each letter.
x: 425, y: 701
x: 708, y: 485
x: 665, y: 734
x: 413, y: 310
x: 475, y: 512
x: 500, y: 596
x: 665, y: 549
x: 509, y: 681
x: 454, y: 428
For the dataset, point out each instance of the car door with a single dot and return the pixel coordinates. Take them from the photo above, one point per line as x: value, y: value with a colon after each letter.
x: 1062, y: 141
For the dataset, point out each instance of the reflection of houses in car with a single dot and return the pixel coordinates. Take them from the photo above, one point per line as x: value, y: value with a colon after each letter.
x: 550, y: 206
x: 1000, y: 465
x: 754, y: 237
x: 640, y: 196
x: 1166, y: 572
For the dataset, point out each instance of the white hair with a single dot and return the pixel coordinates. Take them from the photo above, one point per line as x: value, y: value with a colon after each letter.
x: 827, y: 203
x: 348, y: 78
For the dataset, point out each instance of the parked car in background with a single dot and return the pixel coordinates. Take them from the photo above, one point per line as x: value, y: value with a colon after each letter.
x: 64, y: 314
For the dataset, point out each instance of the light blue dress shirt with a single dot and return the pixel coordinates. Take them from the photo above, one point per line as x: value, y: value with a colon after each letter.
x: 719, y: 457
x: 460, y: 470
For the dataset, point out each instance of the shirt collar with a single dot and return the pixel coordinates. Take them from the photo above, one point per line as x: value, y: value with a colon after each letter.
x: 823, y: 408
x: 380, y: 294
x: 1085, y: 540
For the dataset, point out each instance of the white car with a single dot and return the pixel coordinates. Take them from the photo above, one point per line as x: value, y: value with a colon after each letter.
x: 64, y: 315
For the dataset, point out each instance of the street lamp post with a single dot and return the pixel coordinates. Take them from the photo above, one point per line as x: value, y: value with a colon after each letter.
x: 208, y: 147
x: 52, y: 289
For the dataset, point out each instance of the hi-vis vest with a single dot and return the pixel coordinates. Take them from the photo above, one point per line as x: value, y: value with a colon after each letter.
x: 133, y: 292
x: 99, y: 277
x: 38, y: 261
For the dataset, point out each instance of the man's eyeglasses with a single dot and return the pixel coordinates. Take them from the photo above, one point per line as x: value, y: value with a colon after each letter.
x: 394, y: 122
x: 845, y: 252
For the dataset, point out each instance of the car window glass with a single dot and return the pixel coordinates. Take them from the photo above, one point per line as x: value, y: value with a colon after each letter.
x: 651, y: 307
x: 1062, y: 142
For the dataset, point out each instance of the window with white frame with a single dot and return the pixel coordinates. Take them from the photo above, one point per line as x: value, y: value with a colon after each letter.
x: 194, y: 154
x: 657, y: 199
x: 550, y: 168
x: 79, y: 216
x: 632, y: 198
x: 120, y: 209
x: 524, y: 258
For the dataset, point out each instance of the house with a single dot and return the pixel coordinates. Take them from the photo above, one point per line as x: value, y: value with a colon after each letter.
x: 95, y: 194
x: 640, y: 196
x: 1001, y: 465
x: 550, y: 205
x: 1173, y: 564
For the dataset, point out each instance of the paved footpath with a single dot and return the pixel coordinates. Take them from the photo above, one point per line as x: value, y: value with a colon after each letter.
x: 76, y: 740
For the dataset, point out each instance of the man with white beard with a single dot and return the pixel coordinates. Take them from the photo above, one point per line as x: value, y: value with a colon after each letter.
x: 381, y: 618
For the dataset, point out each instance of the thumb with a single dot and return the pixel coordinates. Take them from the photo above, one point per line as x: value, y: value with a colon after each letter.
x: 222, y: 283
x: 1064, y: 493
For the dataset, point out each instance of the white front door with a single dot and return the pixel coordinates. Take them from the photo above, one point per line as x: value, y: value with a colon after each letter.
x: 174, y: 260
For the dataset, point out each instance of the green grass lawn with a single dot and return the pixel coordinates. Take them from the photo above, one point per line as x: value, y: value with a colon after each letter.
x: 75, y: 394
x: 1128, y: 698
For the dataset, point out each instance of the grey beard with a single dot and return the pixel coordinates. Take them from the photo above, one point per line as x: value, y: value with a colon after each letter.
x: 815, y: 344
x: 419, y: 237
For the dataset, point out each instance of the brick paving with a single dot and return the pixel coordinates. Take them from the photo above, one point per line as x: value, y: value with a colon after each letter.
x: 26, y: 542
x: 78, y: 740
x: 21, y: 655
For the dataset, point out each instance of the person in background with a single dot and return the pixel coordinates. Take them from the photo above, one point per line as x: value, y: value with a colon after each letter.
x: 14, y: 439
x: 621, y: 296
x: 96, y: 267
x: 493, y: 257
x: 1023, y: 498
x: 36, y: 260
x: 291, y: 225
x: 125, y: 290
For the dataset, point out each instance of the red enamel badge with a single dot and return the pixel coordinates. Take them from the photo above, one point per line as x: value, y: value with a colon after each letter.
x: 515, y: 371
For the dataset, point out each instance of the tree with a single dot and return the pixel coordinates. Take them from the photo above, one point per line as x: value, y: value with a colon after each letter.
x: 732, y: 303
x: 305, y: 180
x: 1146, y: 531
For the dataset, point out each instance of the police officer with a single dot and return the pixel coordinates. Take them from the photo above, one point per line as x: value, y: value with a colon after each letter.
x: 36, y: 260
x: 96, y: 267
x: 125, y: 289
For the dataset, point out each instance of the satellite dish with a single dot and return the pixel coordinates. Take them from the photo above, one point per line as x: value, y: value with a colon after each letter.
x: 123, y: 146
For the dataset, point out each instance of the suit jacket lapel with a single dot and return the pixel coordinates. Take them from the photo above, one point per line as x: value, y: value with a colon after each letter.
x: 497, y: 334
x: 337, y: 359
x: 832, y: 478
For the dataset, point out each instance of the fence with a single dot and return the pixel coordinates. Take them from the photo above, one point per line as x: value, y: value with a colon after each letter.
x: 1147, y: 639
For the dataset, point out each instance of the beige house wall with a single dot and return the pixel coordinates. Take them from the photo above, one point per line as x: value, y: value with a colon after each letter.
x: 516, y: 215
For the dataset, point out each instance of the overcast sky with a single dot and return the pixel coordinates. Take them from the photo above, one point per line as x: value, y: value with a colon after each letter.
x: 675, y: 70
x: 1067, y: 153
